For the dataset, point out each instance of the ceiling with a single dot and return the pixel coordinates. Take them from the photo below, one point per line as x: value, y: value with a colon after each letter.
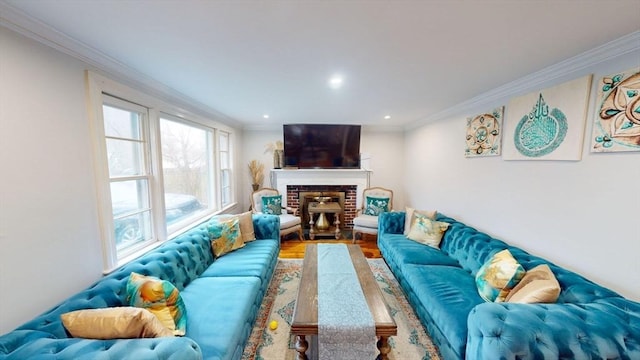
x: 406, y: 59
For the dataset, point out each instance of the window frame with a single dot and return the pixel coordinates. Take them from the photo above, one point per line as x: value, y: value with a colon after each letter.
x: 229, y: 169
x: 98, y: 85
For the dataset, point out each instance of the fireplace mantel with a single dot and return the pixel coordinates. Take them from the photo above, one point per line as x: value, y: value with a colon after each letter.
x: 280, y: 178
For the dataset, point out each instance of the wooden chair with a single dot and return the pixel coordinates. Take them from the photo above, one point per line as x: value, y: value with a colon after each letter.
x: 289, y: 223
x: 368, y: 224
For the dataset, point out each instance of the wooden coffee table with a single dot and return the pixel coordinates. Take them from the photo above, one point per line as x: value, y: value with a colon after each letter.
x: 305, y: 315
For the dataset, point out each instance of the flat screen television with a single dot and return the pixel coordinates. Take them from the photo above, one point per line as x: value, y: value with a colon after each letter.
x: 312, y: 146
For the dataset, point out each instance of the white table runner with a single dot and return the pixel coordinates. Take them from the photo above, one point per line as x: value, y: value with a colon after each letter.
x: 346, y: 329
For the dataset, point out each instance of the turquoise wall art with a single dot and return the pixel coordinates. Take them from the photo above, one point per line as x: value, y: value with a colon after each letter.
x: 617, y: 116
x: 547, y: 124
x: 484, y: 134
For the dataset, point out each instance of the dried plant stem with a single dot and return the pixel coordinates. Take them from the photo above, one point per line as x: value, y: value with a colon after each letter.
x: 256, y: 169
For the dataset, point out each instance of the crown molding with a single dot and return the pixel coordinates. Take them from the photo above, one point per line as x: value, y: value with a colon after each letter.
x: 618, y: 47
x: 28, y: 26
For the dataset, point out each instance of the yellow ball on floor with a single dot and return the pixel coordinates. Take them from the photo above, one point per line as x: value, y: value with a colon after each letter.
x: 273, y: 325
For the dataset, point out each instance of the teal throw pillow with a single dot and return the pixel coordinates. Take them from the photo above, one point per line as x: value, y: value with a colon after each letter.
x: 225, y: 234
x: 498, y: 276
x: 272, y: 205
x: 161, y: 298
x: 375, y: 206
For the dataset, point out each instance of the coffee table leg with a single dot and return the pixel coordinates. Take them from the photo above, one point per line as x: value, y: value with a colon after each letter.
x: 301, y: 347
x: 384, y: 348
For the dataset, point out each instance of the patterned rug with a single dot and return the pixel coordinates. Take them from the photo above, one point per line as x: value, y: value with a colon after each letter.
x: 411, y: 343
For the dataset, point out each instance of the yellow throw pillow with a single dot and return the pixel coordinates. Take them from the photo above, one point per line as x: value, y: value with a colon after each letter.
x: 427, y: 231
x: 409, y: 217
x: 161, y: 298
x: 246, y: 227
x: 538, y: 285
x: 498, y: 276
x: 224, y: 233
x: 114, y: 323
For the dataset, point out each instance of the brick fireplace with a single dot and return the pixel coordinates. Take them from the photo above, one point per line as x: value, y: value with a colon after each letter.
x: 351, y: 182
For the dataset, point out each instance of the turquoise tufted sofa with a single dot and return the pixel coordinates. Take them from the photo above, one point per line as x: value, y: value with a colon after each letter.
x: 222, y: 298
x: 587, y: 322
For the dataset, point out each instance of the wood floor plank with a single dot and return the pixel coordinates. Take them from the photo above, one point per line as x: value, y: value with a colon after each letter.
x: 294, y: 249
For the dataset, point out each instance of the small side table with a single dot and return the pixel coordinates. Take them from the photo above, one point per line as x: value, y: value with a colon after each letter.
x: 324, y: 208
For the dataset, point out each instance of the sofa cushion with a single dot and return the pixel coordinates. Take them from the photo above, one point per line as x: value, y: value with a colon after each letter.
x: 251, y: 261
x: 404, y: 251
x: 160, y: 297
x: 224, y: 309
x: 122, y: 322
x: 538, y: 285
x: 288, y: 220
x: 498, y: 276
x: 448, y: 294
x: 427, y: 231
x: 369, y: 221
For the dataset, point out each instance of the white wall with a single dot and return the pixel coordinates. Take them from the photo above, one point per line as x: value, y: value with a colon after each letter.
x: 581, y: 215
x: 48, y: 222
x: 49, y: 236
x: 386, y: 150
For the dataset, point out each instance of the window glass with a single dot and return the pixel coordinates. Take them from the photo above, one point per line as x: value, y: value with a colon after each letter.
x: 187, y: 167
x: 225, y: 168
x: 125, y: 125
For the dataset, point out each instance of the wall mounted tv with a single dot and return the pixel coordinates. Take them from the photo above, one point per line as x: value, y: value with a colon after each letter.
x: 312, y: 146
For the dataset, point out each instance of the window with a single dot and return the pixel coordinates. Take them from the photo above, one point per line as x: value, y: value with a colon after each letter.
x: 225, y: 167
x: 188, y: 169
x: 126, y: 137
x: 156, y: 172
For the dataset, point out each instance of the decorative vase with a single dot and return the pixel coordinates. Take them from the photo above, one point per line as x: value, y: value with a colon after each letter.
x: 255, y: 186
x: 322, y: 223
x: 278, y: 159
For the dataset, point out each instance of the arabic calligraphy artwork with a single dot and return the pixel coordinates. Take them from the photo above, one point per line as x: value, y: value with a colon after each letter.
x: 617, y: 116
x: 484, y: 134
x: 547, y: 124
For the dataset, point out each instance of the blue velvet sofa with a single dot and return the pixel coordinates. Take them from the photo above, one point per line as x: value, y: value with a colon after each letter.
x: 221, y: 297
x: 588, y: 321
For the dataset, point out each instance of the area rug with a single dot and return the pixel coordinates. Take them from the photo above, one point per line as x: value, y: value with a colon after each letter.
x: 411, y: 343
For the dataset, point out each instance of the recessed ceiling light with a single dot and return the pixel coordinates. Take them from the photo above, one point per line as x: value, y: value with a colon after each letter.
x: 335, y: 81
x: 387, y: 117
x: 266, y: 116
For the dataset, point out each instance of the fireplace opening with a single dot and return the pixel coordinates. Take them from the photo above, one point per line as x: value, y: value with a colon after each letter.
x: 299, y: 196
x: 306, y: 198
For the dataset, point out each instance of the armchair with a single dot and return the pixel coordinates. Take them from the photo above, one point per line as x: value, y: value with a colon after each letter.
x: 375, y: 200
x: 289, y: 223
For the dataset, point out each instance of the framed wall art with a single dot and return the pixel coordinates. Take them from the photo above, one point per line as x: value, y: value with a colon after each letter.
x: 484, y: 134
x: 547, y: 124
x: 616, y: 125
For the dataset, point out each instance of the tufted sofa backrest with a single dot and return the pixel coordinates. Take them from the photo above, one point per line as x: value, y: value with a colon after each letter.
x: 179, y: 261
x: 472, y: 248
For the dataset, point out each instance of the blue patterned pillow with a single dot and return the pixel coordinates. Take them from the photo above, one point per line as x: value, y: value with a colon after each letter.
x: 225, y: 235
x: 272, y: 205
x: 498, y: 276
x: 375, y: 206
x: 161, y: 298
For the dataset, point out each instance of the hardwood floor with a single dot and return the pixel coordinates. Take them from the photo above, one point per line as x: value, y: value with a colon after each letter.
x: 294, y: 249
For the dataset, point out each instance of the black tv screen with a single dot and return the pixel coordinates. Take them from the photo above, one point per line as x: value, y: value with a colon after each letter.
x: 322, y: 146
